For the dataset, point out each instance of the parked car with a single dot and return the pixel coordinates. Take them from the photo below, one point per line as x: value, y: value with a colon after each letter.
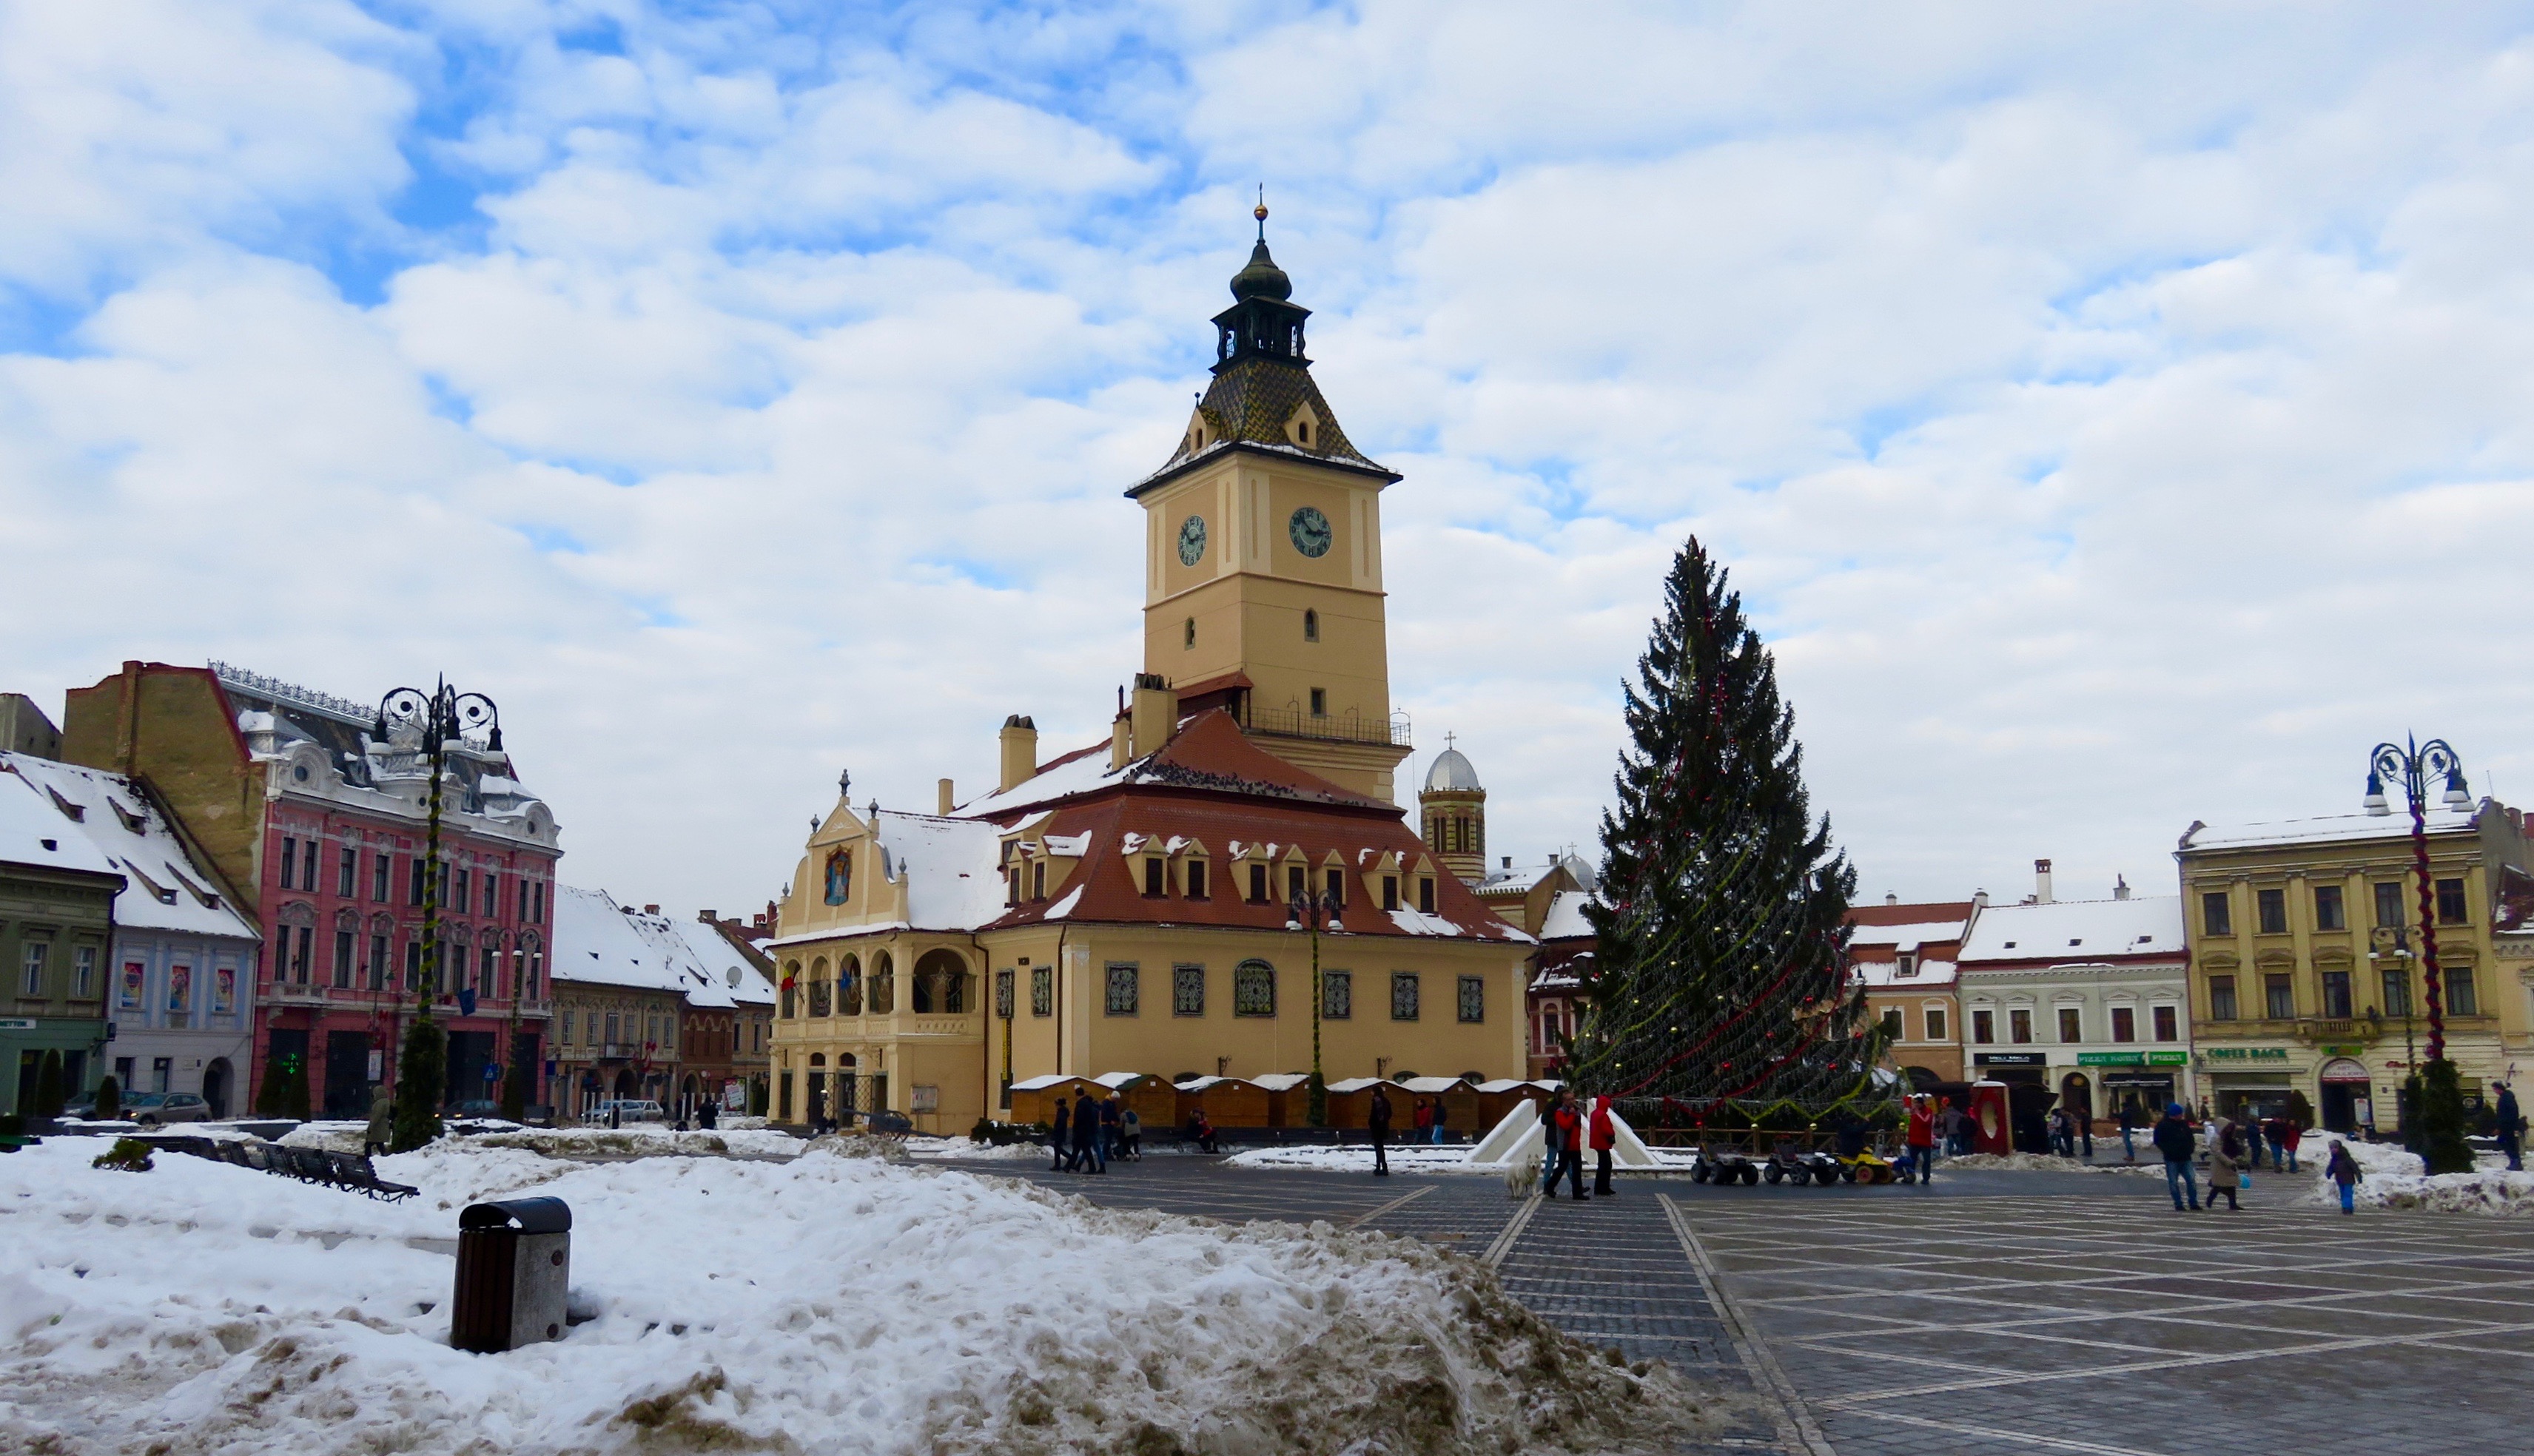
x: 151, y: 1109
x: 888, y: 1123
x: 632, y: 1110
x: 476, y: 1107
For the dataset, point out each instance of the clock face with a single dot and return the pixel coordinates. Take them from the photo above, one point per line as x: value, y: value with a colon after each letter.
x: 1310, y: 532
x: 1191, y: 541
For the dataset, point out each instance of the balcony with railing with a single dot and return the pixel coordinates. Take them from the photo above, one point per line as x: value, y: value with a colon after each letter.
x: 1293, y: 723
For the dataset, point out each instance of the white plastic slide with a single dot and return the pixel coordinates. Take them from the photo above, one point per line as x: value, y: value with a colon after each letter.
x: 1512, y: 1140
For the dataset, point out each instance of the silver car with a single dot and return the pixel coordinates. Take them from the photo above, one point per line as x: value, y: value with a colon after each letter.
x: 153, y: 1109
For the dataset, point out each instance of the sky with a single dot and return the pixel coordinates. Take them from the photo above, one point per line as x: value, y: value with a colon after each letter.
x: 2116, y: 416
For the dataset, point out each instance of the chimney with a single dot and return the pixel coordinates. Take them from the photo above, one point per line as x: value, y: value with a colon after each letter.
x: 1020, y: 753
x: 1508, y: 862
x: 1891, y: 899
x: 1980, y: 898
x: 650, y: 909
x: 1153, y: 716
x: 2041, y: 882
x: 2120, y: 887
x: 708, y: 918
x: 942, y: 799
x: 1117, y: 754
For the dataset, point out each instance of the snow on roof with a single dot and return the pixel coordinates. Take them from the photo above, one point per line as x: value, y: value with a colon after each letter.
x: 597, y: 942
x: 1078, y: 772
x: 1043, y: 1083
x: 1067, y: 846
x: 1432, y: 1084
x: 104, y: 824
x: 2328, y: 826
x: 1119, y: 1080
x: 1064, y: 905
x: 1905, y: 937
x: 1350, y: 1085
x: 2075, y: 930
x: 949, y: 866
x: 720, y: 974
x: 1200, y: 1083
x: 1888, y: 974
x: 1565, y: 917
x: 1509, y: 1084
x: 1282, y: 1082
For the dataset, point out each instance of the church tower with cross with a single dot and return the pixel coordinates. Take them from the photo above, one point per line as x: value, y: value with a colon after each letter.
x: 1452, y: 808
x: 1263, y: 549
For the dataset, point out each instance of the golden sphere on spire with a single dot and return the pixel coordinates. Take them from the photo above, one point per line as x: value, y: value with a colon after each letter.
x: 1259, y: 212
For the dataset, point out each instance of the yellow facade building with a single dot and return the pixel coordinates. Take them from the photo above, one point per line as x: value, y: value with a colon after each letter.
x: 1144, y: 905
x: 2305, y: 968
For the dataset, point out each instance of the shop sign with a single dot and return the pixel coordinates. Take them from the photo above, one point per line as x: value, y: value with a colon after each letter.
x: 2344, y: 1051
x: 2111, y: 1059
x: 2168, y: 1059
x: 17, y: 1023
x: 2010, y: 1059
x: 2248, y: 1054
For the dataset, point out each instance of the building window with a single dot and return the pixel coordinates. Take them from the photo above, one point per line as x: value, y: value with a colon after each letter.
x: 1474, y: 998
x: 2221, y: 997
x: 1125, y: 986
x: 1426, y: 894
x: 537, y: 916
x: 1187, y: 990
x: 464, y: 893
x: 1403, y: 996
x: 418, y: 877
x: 1319, y: 702
x: 2327, y: 909
x: 564, y: 1024
x: 1310, y: 626
x: 1935, y: 1015
x: 2124, y: 1024
x: 1253, y: 989
x: 1904, y: 964
x: 379, y: 877
x: 2072, y: 1025
x: 1012, y: 886
x: 31, y: 982
x: 2272, y: 908
x: 84, y: 974
x: 299, y: 956
x: 2460, y: 998
x: 2389, y: 903
x: 1390, y: 892
x: 347, y: 874
x: 342, y: 977
x: 2336, y: 993
x: 1984, y: 1027
x: 1189, y: 634
x: 307, y: 866
x: 490, y: 972
x: 1003, y: 994
x: 289, y: 858
x: 1042, y: 991
x: 1891, y: 1027
x: 1195, y: 878
x: 2019, y: 1026
x: 1258, y: 884
x: 1154, y: 886
x: 1038, y: 879
x: 2278, y: 993
x: 413, y: 965
x: 2397, y: 991
x: 2168, y: 1024
x: 611, y: 1030
x: 2450, y: 906
x: 2215, y: 918
x: 1337, y: 995
x: 377, y: 963
x: 822, y: 997
x: 1337, y: 888
x: 492, y: 896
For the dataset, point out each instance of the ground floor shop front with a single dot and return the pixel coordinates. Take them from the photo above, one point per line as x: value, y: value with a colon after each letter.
x: 26, y: 1040
x: 347, y: 1056
x: 2351, y: 1087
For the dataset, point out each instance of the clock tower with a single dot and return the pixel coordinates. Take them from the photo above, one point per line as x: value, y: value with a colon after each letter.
x: 1262, y: 578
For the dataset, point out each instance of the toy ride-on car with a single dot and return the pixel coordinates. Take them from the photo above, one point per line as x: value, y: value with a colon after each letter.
x: 1726, y: 1167
x: 1869, y: 1166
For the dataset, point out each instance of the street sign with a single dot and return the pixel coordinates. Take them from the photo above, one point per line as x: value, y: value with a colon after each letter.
x: 378, y: 1064
x: 492, y: 1071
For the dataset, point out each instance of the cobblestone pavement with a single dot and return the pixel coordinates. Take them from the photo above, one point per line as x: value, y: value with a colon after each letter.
x: 2014, y: 1314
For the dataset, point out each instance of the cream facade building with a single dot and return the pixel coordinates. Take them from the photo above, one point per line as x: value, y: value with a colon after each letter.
x: 1146, y: 904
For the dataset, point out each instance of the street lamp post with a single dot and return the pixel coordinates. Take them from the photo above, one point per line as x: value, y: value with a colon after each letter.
x: 434, y: 719
x: 1311, y: 912
x: 2414, y: 764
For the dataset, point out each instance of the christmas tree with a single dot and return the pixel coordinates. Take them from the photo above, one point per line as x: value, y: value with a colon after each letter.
x: 1721, y: 908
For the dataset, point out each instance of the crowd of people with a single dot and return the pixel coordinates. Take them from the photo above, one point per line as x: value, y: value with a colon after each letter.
x: 1091, y: 1132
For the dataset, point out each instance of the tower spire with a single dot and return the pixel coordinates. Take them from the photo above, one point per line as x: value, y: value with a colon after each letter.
x: 1260, y: 213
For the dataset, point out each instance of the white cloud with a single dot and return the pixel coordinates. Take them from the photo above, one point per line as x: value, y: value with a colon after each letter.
x: 2116, y: 419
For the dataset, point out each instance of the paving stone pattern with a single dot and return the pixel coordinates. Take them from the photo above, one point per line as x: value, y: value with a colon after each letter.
x: 2002, y: 1312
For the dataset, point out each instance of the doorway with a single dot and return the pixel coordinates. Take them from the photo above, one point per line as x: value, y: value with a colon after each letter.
x: 347, y: 1074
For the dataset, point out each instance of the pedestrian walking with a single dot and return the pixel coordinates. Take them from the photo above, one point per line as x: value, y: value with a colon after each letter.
x: 1112, y: 1132
x: 1550, y: 1148
x: 2226, y: 1167
x: 1604, y: 1134
x: 2250, y: 1126
x: 1062, y: 1139
x: 1086, y: 1135
x: 1205, y: 1133
x: 1570, y: 1142
x: 1377, y: 1122
x: 2062, y: 1133
x: 1442, y: 1117
x: 1131, y: 1130
x: 2172, y: 1138
x: 2342, y: 1169
x: 1424, y: 1118
x: 382, y: 1129
x: 1920, y: 1139
x: 1958, y: 1130
x: 2291, y: 1132
x: 2128, y: 1129
x: 2511, y: 1128
x: 2273, y: 1133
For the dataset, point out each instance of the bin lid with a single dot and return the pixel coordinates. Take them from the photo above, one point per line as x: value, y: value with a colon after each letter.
x: 524, y: 1215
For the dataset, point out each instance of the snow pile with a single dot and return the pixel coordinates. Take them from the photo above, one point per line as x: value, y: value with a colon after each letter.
x: 2392, y: 1178
x: 1357, y: 1157
x: 821, y: 1303
x: 967, y: 1152
x: 2034, y: 1162
x: 638, y: 1140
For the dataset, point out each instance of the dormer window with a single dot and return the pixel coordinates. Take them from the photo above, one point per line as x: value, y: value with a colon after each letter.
x: 1258, y: 884
x: 1302, y: 429
x: 1906, y: 964
x: 1156, y: 879
x: 1038, y: 880
x: 1196, y: 879
x: 1337, y: 888
x: 1390, y: 892
x: 1426, y: 894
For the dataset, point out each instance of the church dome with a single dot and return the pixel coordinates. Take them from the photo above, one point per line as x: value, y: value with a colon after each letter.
x: 1452, y: 770
x: 1261, y: 278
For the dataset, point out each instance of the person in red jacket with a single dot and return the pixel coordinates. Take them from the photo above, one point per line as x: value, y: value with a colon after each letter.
x: 1922, y: 1138
x: 1605, y: 1137
x: 1569, y: 1121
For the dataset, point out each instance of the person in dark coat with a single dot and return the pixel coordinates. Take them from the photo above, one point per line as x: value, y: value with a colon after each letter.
x: 1086, y: 1135
x: 2511, y: 1128
x: 1062, y: 1139
x: 1441, y: 1118
x: 1111, y: 1132
x: 2226, y: 1166
x: 1551, y: 1150
x: 2128, y: 1129
x: 2342, y: 1169
x: 1570, y: 1147
x: 1377, y: 1121
x: 2173, y: 1138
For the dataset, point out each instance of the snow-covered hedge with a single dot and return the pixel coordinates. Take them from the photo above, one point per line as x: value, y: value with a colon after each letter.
x: 830, y: 1303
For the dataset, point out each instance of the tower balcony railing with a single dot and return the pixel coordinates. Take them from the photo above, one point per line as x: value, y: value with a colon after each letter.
x: 1349, y: 728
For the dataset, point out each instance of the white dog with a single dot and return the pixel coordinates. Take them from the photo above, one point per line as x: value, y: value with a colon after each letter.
x: 1522, y: 1176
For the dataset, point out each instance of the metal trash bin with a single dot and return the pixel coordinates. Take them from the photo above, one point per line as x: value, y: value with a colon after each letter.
x: 513, y: 1266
